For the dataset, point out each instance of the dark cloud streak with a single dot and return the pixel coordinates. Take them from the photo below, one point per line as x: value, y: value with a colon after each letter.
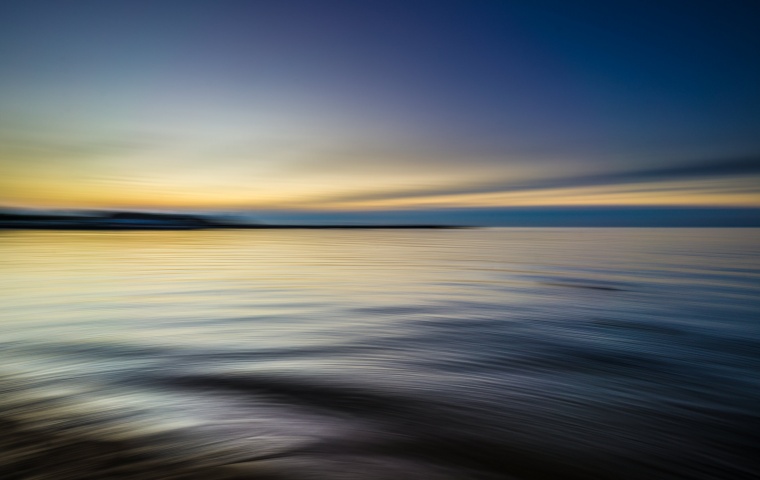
x: 749, y: 166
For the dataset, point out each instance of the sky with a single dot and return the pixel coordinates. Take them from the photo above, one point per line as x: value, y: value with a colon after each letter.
x: 379, y: 105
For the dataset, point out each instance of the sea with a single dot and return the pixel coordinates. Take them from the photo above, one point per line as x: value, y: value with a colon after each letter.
x: 478, y: 353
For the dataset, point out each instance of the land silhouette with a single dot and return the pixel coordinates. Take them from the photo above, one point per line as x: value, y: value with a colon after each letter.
x: 124, y: 220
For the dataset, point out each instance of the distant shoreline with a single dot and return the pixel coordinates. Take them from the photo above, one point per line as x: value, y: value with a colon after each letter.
x: 160, y: 221
x: 226, y: 227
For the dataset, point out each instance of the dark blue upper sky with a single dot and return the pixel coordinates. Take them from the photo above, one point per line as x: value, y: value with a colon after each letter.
x: 379, y: 104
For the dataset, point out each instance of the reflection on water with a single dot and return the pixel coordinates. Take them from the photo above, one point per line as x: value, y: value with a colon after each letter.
x: 322, y: 354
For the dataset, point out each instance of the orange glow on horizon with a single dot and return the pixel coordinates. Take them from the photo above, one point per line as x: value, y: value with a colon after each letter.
x: 328, y: 197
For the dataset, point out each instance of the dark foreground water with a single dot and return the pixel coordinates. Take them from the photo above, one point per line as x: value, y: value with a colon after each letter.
x: 319, y: 354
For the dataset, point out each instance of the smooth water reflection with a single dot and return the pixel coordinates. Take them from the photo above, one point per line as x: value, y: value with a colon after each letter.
x: 482, y: 353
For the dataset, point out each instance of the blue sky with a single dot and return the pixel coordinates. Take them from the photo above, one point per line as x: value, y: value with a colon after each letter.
x: 319, y: 106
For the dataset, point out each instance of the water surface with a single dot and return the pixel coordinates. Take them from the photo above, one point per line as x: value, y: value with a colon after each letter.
x: 419, y: 354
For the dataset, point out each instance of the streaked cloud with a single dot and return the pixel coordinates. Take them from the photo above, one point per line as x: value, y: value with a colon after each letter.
x: 712, y: 169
